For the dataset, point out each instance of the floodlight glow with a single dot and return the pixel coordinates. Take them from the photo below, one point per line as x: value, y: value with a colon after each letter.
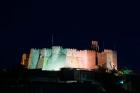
x: 121, y: 82
x: 33, y: 60
x: 55, y: 60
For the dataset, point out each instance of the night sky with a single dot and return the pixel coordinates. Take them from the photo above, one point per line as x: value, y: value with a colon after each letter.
x: 26, y: 24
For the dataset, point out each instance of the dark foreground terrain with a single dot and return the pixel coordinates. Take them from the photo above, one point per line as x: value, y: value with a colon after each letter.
x: 51, y: 88
x: 50, y: 82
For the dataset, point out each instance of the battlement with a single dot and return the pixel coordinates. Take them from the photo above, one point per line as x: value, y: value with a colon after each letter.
x: 58, y: 57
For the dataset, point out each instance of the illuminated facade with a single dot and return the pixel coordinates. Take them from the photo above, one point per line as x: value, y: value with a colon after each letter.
x: 57, y: 57
x: 108, y: 59
x: 25, y: 58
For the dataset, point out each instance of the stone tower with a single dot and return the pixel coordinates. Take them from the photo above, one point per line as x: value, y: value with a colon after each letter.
x: 95, y: 46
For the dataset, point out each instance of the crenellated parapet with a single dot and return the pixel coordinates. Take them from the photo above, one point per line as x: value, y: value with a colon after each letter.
x: 58, y: 57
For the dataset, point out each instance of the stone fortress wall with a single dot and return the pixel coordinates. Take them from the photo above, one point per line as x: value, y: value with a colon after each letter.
x: 57, y: 57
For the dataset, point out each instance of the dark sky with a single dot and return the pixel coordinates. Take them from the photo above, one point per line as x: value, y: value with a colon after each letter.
x: 26, y: 24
